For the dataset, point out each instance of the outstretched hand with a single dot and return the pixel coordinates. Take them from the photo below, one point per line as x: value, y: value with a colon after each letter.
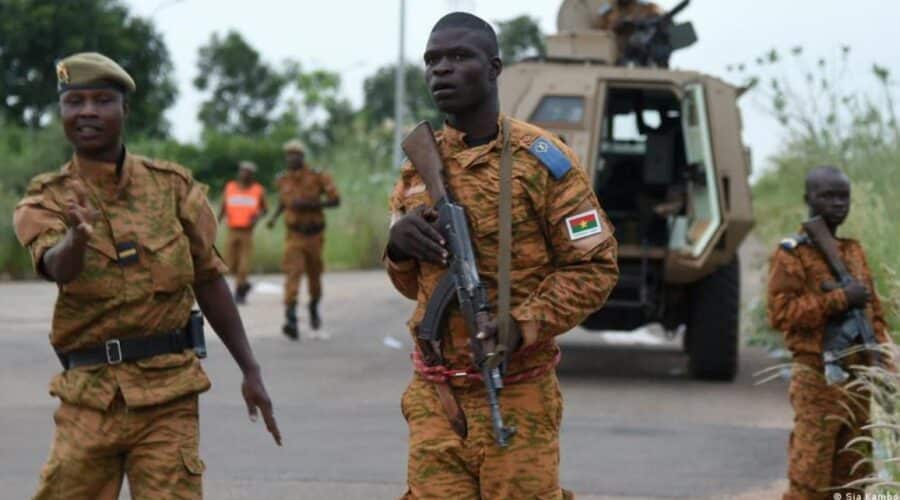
x: 81, y: 215
x: 258, y: 401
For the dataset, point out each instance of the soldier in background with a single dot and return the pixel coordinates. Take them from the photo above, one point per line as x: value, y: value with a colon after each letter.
x: 303, y: 193
x: 243, y: 204
x: 618, y: 16
x: 563, y: 268
x: 801, y: 304
x: 129, y: 241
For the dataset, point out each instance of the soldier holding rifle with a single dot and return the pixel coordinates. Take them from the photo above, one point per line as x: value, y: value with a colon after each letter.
x: 303, y: 194
x: 545, y: 257
x: 822, y: 297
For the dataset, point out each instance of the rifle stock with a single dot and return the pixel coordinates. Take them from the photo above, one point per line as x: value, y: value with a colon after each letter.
x: 471, y: 294
x: 821, y: 237
x: 425, y: 156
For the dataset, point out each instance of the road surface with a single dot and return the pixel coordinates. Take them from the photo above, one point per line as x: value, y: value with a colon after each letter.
x: 635, y: 426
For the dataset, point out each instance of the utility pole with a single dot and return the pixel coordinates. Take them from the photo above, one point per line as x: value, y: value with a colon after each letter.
x: 400, y: 89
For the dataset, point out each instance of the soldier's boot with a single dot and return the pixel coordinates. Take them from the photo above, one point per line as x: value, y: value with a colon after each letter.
x: 240, y: 293
x: 289, y: 329
x: 315, y: 320
x: 239, y: 297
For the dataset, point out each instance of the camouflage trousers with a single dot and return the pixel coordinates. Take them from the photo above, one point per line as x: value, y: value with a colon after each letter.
x: 302, y: 254
x: 441, y: 465
x: 155, y: 447
x: 826, y: 419
x: 239, y: 251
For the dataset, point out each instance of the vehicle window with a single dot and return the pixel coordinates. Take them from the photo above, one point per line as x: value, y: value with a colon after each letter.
x: 559, y: 109
x: 625, y: 126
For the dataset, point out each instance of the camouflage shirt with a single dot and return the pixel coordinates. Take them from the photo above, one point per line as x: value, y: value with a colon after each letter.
x: 304, y: 184
x: 557, y: 279
x: 799, y: 307
x: 157, y: 206
x: 635, y: 11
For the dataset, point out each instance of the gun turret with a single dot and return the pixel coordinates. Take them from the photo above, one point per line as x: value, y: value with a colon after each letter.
x: 650, y: 42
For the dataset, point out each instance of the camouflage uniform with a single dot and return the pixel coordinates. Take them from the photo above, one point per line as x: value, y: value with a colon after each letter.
x: 303, y: 252
x: 798, y: 307
x: 556, y: 282
x: 139, y: 417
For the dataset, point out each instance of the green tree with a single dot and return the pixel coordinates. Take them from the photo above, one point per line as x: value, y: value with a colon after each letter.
x: 378, y: 90
x: 317, y: 107
x: 520, y: 37
x: 35, y: 33
x: 244, y: 91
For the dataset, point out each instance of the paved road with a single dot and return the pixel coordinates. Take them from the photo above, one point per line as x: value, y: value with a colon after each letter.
x: 634, y: 427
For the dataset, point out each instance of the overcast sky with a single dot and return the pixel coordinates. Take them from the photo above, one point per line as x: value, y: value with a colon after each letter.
x: 355, y: 37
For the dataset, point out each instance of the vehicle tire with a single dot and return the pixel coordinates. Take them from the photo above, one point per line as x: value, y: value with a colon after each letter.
x: 712, y: 329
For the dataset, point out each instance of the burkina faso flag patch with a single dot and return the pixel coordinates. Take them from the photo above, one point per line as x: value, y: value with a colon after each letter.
x: 584, y: 224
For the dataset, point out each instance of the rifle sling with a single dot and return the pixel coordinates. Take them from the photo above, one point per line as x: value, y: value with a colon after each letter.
x: 504, y: 256
x: 428, y: 338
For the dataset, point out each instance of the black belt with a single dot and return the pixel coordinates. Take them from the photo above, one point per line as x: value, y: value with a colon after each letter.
x: 307, y: 229
x: 115, y: 351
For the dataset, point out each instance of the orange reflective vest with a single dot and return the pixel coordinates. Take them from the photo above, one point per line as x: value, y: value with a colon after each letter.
x: 242, y: 204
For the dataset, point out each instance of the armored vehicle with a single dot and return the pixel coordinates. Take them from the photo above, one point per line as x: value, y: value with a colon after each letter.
x: 664, y: 151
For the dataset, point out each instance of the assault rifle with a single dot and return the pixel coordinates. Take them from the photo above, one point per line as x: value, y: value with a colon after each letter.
x: 843, y: 333
x: 460, y: 281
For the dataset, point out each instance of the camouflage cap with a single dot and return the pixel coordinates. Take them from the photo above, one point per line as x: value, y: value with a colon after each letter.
x: 294, y: 146
x: 91, y: 70
x: 248, y: 166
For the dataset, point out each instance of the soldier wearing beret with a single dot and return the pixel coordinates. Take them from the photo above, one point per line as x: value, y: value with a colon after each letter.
x: 563, y: 268
x: 129, y: 242
x: 243, y: 205
x: 303, y: 193
x: 803, y: 302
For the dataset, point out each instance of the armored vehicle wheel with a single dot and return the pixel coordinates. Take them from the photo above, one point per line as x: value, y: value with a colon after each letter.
x: 712, y: 330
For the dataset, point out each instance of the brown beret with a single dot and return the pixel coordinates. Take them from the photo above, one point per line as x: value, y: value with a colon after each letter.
x: 91, y: 70
x: 294, y: 146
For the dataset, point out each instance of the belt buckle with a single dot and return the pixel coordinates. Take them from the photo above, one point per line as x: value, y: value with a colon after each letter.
x: 113, y: 351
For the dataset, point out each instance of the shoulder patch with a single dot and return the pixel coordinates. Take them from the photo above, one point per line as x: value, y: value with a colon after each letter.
x: 551, y: 156
x: 584, y: 224
x: 792, y: 242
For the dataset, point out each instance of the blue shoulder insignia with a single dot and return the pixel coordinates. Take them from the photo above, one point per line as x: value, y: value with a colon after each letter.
x: 551, y: 156
x: 793, y: 242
